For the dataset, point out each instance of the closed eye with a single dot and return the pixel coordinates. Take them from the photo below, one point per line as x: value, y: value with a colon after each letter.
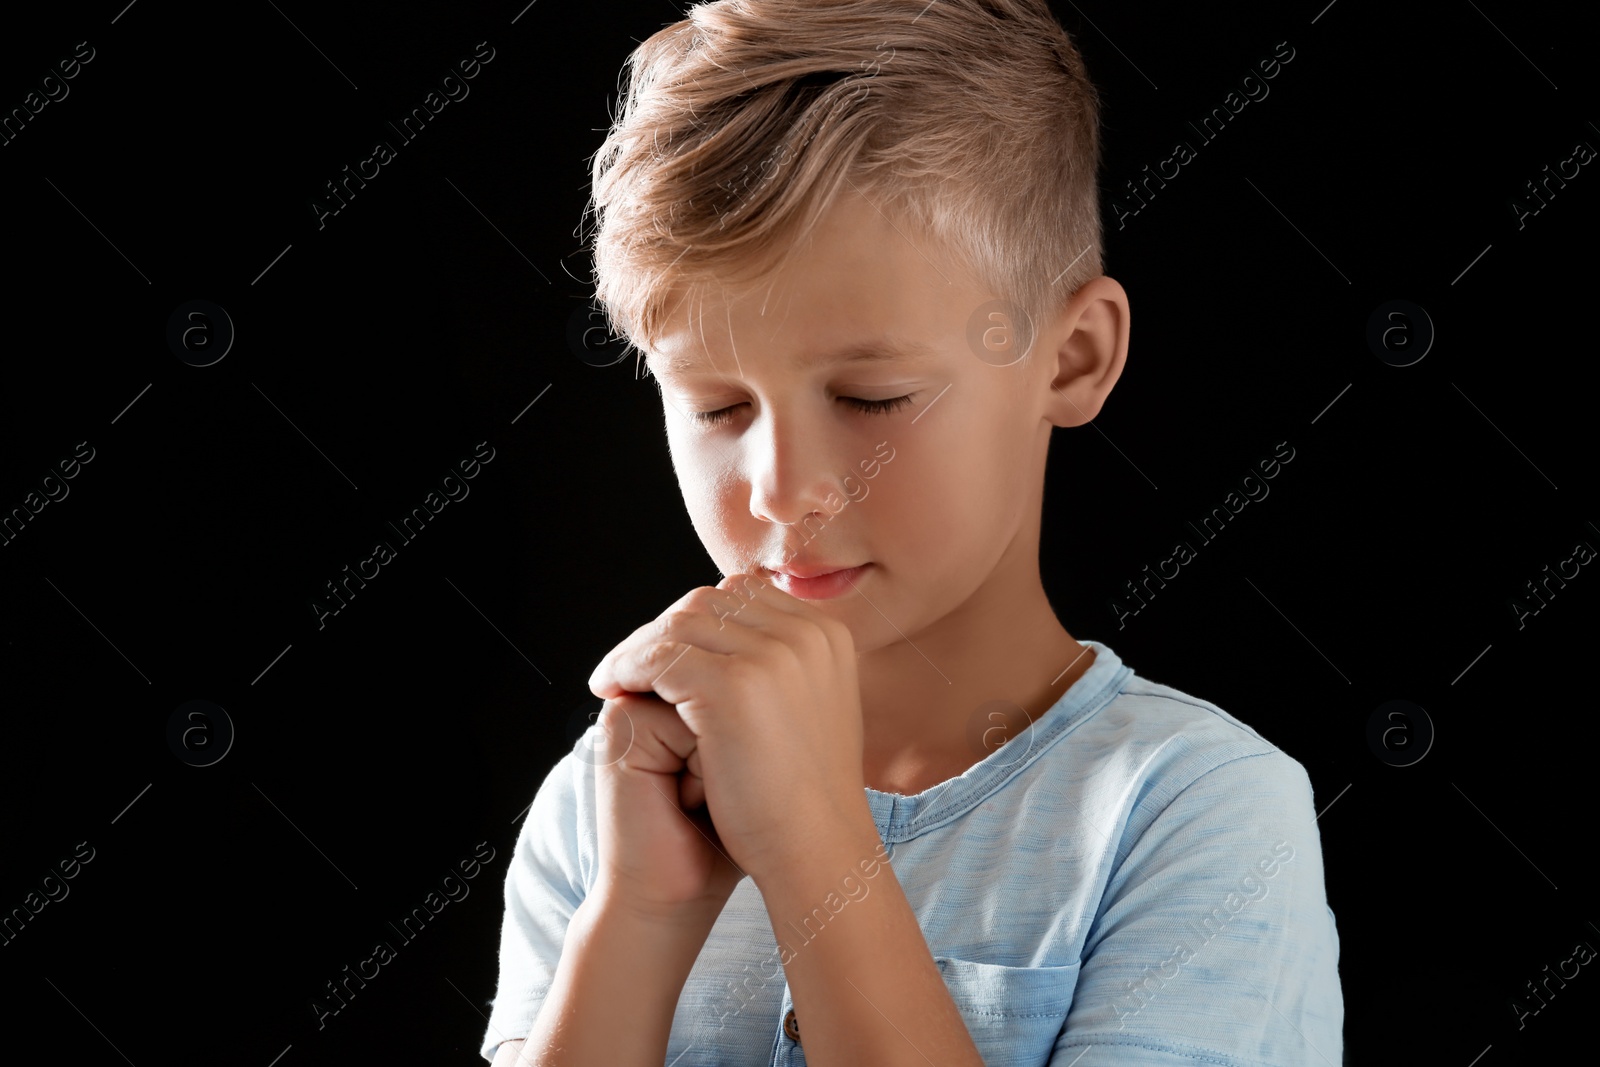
x: 871, y: 407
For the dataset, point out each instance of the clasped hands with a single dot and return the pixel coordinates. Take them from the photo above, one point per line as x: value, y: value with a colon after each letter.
x: 732, y: 745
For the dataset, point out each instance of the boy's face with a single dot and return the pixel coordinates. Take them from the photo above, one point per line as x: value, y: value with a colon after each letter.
x: 928, y: 497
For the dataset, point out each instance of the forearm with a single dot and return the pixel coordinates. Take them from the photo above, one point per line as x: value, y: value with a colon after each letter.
x: 866, y: 989
x: 615, y: 989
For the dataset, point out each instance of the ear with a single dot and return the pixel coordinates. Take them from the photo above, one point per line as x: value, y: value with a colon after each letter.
x: 1089, y: 343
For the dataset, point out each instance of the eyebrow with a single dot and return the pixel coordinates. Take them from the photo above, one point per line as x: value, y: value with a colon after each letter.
x: 874, y: 351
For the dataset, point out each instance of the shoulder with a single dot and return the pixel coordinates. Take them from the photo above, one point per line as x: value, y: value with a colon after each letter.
x: 567, y: 786
x: 558, y: 827
x: 1148, y: 707
x: 1153, y: 742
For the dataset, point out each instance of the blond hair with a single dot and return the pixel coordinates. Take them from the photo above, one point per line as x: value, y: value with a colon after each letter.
x: 972, y: 120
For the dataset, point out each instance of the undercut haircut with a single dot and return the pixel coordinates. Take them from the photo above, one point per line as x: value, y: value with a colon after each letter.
x: 969, y: 123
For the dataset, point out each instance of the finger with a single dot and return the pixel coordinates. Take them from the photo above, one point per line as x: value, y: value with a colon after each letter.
x: 754, y: 591
x: 691, y: 792
x: 780, y: 615
x: 701, y: 618
x: 646, y: 734
x: 766, y: 605
x: 673, y: 670
x: 701, y: 598
x: 600, y: 682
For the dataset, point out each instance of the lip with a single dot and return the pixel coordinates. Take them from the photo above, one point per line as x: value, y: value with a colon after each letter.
x: 818, y: 582
x: 809, y: 570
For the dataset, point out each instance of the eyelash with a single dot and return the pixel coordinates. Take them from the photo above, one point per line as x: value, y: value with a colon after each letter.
x: 870, y: 407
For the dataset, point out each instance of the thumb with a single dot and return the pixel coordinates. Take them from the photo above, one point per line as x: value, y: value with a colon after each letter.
x: 648, y: 731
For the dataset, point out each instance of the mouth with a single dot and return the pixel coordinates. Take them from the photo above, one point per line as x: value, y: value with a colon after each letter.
x: 818, y: 583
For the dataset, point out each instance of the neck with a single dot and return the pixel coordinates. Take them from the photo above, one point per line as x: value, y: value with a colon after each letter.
x: 922, y: 696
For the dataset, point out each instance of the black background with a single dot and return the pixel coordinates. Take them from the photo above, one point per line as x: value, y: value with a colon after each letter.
x: 373, y: 353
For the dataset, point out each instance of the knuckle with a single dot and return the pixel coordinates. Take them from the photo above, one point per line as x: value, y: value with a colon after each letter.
x: 706, y: 596
x: 674, y: 619
x: 658, y: 654
x: 748, y: 585
x: 692, y: 605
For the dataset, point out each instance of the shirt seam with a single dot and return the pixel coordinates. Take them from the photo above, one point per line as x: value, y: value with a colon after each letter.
x: 999, y: 777
x: 1177, y: 696
x: 1125, y: 681
x: 1198, y: 1053
x: 1194, y: 753
x: 1170, y: 801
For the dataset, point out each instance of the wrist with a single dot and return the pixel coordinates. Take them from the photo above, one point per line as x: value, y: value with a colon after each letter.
x: 662, y: 922
x: 616, y: 987
x: 848, y: 837
x: 637, y: 947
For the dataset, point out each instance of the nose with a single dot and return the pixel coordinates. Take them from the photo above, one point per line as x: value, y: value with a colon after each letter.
x: 789, y: 465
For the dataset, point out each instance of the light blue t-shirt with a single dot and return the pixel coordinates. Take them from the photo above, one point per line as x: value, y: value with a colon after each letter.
x: 1135, y: 879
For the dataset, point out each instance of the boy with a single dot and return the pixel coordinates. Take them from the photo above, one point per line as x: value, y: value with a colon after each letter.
x: 867, y: 800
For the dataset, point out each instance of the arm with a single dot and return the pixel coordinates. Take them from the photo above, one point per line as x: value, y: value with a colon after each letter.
x: 615, y: 991
x: 562, y: 937
x: 1214, y: 939
x: 865, y: 987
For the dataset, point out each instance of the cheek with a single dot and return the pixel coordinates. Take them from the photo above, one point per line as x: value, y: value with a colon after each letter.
x: 919, y: 500
x: 718, y: 498
x: 1009, y: 458
x: 714, y: 492
x: 979, y: 481
x: 704, y: 472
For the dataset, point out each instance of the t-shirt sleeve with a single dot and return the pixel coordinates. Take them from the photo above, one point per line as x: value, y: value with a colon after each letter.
x: 1214, y: 942
x: 544, y: 886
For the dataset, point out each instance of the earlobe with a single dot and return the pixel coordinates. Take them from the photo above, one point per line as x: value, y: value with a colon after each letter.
x: 1091, y: 347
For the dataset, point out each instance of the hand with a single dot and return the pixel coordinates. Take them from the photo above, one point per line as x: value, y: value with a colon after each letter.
x: 659, y: 853
x: 766, y: 687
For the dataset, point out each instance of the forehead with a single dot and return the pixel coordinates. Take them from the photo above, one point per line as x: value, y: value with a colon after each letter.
x: 868, y: 351
x: 858, y: 292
